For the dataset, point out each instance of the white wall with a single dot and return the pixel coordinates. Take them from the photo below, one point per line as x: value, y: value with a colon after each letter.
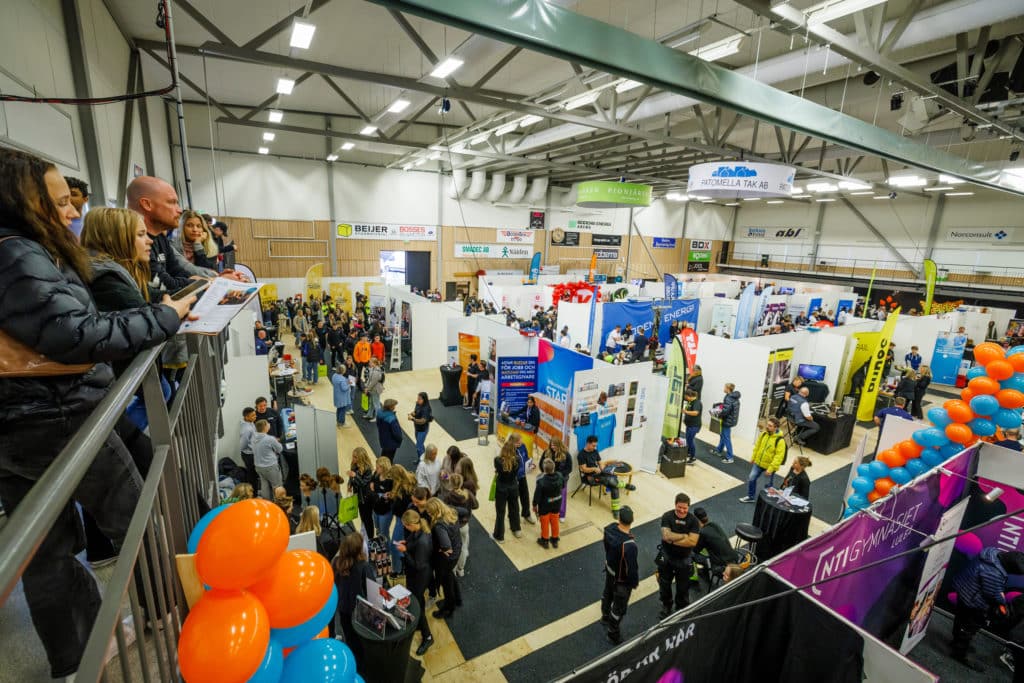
x: 737, y: 361
x: 920, y: 331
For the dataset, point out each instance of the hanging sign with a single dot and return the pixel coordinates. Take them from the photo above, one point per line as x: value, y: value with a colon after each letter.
x: 589, y: 225
x: 664, y: 243
x: 605, y: 193
x: 606, y: 240
x: 386, y: 231
x: 740, y: 179
x: 789, y: 234
x: 536, y: 220
x: 563, y: 238
x: 606, y: 254
x: 498, y: 251
x: 515, y: 236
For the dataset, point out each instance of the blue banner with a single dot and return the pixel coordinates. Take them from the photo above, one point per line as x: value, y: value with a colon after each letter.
x: 639, y: 314
x: 664, y: 243
x: 949, y: 352
x: 556, y: 368
x: 843, y: 303
x: 745, y: 313
x: 679, y: 310
x: 813, y: 305
x: 671, y: 287
x: 762, y: 303
x: 535, y: 267
x: 517, y: 379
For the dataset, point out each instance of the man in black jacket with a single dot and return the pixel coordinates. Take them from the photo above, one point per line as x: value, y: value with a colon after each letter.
x: 273, y: 418
x: 621, y: 573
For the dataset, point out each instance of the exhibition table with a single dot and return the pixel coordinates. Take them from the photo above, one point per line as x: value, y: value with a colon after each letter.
x: 451, y: 394
x: 386, y: 658
x: 835, y: 433
x: 783, y: 525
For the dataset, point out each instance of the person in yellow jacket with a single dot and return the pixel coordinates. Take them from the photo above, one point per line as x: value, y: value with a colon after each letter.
x: 769, y: 455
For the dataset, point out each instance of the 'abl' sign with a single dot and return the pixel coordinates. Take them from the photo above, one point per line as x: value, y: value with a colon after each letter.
x: 776, y: 233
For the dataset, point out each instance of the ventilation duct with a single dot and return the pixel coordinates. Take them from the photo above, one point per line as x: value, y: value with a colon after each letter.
x: 497, y: 187
x: 518, y: 190
x: 459, y: 178
x: 570, y: 197
x: 477, y: 186
x: 538, y: 190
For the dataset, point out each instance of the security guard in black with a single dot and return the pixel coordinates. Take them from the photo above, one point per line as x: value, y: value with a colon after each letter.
x: 680, y: 532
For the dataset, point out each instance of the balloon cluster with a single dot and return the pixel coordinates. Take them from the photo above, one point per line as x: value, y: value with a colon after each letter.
x: 992, y: 400
x: 570, y: 291
x: 264, y: 615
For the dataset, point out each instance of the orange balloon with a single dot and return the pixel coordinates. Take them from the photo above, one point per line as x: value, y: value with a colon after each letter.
x: 873, y: 496
x: 1017, y: 361
x: 884, y: 485
x: 966, y: 395
x: 959, y: 411
x: 242, y: 544
x: 1010, y: 398
x: 1000, y: 369
x: 959, y: 433
x: 892, y: 458
x: 988, y: 352
x: 909, y: 449
x: 296, y: 588
x: 983, y: 385
x: 288, y: 650
x: 326, y: 633
x: 224, y: 637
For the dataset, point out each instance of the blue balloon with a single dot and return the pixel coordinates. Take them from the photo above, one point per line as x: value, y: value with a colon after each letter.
x: 900, y: 475
x: 270, y: 668
x: 858, y: 501
x: 938, y: 417
x: 1015, y: 350
x: 879, y: 469
x: 200, y: 527
x: 863, y: 485
x: 296, y: 635
x: 949, y: 450
x: 864, y: 470
x: 849, y: 512
x: 933, y: 437
x: 977, y: 371
x: 932, y: 457
x: 359, y: 679
x: 1006, y: 418
x: 984, y: 405
x: 1015, y: 382
x: 915, y: 467
x: 324, y: 660
x: 982, y: 427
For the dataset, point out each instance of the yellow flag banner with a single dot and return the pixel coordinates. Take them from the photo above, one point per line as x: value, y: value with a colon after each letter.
x: 341, y: 294
x: 315, y: 282
x: 931, y: 273
x: 876, y: 366
x: 268, y: 294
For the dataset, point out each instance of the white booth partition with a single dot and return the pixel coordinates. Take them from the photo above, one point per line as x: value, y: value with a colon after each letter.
x: 736, y: 361
x: 919, y: 331
x: 577, y: 318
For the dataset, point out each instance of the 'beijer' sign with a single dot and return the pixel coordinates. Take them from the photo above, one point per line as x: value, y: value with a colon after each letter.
x: 797, y: 234
x: 740, y: 179
x: 386, y: 231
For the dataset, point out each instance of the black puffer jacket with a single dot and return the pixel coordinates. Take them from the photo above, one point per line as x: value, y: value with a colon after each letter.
x: 49, y: 309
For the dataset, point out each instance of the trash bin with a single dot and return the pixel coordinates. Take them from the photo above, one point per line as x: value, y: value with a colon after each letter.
x: 673, y: 461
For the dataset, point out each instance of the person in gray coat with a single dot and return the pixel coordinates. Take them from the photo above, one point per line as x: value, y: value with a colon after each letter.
x: 266, y: 453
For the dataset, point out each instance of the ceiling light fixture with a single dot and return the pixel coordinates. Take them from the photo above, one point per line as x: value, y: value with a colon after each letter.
x: 941, y: 188
x: 881, y: 196
x: 368, y: 130
x: 775, y: 201
x: 722, y: 48
x: 822, y: 187
x: 795, y: 190
x: 582, y: 100
x: 834, y: 9
x: 950, y: 180
x: 751, y: 199
x: 269, y: 137
x: 853, y: 185
x: 529, y: 120
x: 863, y: 194
x: 826, y: 199
x: 302, y: 34
x: 446, y: 67
x: 801, y: 196
x: 626, y: 85
x: 275, y: 116
x: 959, y: 194
x: 398, y: 106
x: 907, y: 181
x: 332, y: 157
x: 677, y: 197
x: 420, y: 162
x: 347, y: 146
x: 507, y: 128
x: 407, y: 167
x: 264, y: 150
x: 733, y: 204
x: 480, y: 139
x: 285, y: 86
x: 698, y: 197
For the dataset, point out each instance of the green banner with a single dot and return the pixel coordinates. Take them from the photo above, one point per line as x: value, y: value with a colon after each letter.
x: 931, y: 272
x: 599, y: 193
x: 699, y: 256
x: 675, y: 371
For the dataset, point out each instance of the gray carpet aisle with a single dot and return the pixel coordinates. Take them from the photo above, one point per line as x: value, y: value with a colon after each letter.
x: 406, y: 454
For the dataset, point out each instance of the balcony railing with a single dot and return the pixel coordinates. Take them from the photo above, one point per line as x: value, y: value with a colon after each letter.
x: 960, y: 274
x: 180, y: 481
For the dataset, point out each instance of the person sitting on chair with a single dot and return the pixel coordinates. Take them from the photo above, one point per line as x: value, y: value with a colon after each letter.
x: 713, y: 539
x: 798, y: 479
x: 528, y: 415
x: 800, y: 413
x: 592, y: 473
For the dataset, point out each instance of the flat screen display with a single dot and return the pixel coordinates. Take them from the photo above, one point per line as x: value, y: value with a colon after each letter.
x: 815, y: 372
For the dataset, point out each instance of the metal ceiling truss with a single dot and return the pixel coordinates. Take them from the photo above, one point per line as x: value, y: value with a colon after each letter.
x: 881, y: 237
x: 563, y: 34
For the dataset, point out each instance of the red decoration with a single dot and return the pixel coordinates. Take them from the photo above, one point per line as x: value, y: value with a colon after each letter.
x: 570, y: 291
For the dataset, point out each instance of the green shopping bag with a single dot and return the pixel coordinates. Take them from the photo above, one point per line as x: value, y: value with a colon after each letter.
x: 366, y: 403
x: 494, y: 490
x: 348, y: 509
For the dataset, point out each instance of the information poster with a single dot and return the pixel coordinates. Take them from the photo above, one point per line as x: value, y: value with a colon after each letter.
x: 949, y: 351
x: 780, y: 366
x: 483, y: 420
x: 469, y: 345
x: 268, y: 295
x: 341, y: 294
x: 517, y: 379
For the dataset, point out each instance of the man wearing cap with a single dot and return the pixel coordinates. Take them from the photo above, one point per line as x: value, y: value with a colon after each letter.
x: 715, y: 541
x: 621, y: 573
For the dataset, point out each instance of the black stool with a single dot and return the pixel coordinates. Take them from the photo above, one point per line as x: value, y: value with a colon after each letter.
x: 749, y: 534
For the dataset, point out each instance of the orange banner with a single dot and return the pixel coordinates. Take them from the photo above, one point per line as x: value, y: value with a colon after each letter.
x: 469, y: 344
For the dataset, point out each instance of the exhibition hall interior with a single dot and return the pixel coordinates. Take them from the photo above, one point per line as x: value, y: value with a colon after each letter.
x: 511, y: 340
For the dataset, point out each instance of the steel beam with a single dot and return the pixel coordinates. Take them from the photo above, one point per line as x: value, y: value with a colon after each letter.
x: 273, y: 98
x: 149, y: 50
x: 933, y: 231
x: 126, y: 128
x: 203, y: 21
x: 147, y: 136
x: 83, y: 90
x: 566, y: 35
x: 329, y: 167
x: 900, y: 27
x: 878, y: 233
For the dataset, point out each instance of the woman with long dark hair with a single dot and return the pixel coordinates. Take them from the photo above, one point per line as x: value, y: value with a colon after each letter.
x: 506, y: 491
x: 46, y: 307
x: 351, y: 570
x: 416, y: 549
x: 359, y: 476
x: 421, y: 417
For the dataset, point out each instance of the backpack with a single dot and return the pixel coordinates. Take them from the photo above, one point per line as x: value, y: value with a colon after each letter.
x: 785, y: 448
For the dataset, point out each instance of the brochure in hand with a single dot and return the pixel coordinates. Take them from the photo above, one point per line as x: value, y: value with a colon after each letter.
x: 221, y: 302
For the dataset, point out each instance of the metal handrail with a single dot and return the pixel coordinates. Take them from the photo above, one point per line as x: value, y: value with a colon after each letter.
x: 29, y: 523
